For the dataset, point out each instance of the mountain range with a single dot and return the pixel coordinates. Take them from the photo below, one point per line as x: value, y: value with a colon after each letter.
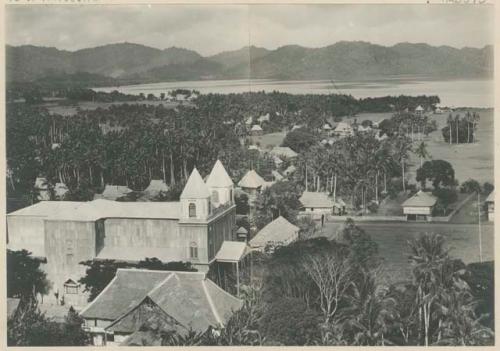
x: 134, y: 63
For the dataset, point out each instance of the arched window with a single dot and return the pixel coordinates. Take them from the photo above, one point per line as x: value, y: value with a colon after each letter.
x: 193, y: 250
x: 192, y: 210
x: 215, y: 196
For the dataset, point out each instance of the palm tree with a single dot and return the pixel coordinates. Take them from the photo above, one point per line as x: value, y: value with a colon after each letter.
x: 449, y: 120
x: 421, y: 151
x: 457, y: 122
x: 428, y: 255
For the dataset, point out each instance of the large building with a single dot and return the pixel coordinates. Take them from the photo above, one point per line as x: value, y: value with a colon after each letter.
x: 136, y: 300
x: 64, y: 233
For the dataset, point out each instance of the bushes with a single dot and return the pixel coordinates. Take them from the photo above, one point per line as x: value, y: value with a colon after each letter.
x: 288, y: 321
x: 470, y: 186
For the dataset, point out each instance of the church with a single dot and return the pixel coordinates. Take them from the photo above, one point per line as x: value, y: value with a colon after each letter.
x: 64, y: 233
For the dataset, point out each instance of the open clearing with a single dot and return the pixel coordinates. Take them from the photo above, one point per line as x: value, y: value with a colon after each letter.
x: 392, y: 240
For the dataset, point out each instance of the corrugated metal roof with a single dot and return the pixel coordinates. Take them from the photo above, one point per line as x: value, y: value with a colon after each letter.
x: 101, y: 208
x: 156, y: 186
x: 316, y: 200
x: 218, y: 177
x: 420, y: 199
x: 231, y: 251
x: 195, y: 187
x: 279, y: 230
x: 256, y: 128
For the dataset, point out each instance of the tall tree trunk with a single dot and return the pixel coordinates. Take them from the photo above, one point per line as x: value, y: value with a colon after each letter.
x: 403, y: 168
x: 306, y: 180
x: 376, y: 187
x: 163, y: 167
x: 172, y: 171
x: 385, y: 182
x: 450, y: 133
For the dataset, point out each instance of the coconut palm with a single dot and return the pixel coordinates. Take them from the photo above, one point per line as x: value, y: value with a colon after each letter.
x: 449, y: 121
x: 421, y: 152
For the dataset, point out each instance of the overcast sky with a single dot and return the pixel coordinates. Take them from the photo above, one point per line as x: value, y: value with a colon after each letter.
x: 215, y: 28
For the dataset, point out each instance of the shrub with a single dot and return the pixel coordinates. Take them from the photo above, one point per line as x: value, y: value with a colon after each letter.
x: 470, y: 186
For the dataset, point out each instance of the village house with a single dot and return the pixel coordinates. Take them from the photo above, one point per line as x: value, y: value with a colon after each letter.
x: 264, y: 118
x: 171, y: 301
x: 256, y: 130
x: 343, y: 130
x: 490, y: 205
x: 114, y: 193
x: 284, y: 152
x: 252, y: 183
x: 319, y: 204
x: 419, y: 207
x: 279, y: 232
x: 65, y: 233
x: 419, y: 111
x: 155, y: 188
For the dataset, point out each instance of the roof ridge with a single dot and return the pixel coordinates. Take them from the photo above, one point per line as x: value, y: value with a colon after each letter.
x: 211, y: 303
x: 99, y: 295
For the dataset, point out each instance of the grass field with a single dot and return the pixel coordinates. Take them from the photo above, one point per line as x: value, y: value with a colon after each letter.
x: 268, y: 141
x: 392, y: 240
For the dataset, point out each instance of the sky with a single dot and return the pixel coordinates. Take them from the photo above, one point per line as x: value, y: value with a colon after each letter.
x: 215, y: 28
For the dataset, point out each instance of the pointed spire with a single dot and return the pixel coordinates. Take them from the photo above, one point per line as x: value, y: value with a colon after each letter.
x: 195, y: 187
x: 219, y: 178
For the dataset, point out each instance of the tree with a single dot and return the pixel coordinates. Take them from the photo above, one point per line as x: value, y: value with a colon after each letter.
x: 470, y: 186
x: 299, y: 140
x: 439, y: 172
x: 421, y: 152
x: 30, y: 327
x: 280, y: 199
x: 289, y: 321
x: 363, y: 249
x: 25, y: 279
x: 332, y: 275
x: 241, y: 201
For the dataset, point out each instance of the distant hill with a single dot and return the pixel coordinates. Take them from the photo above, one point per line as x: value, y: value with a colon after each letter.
x: 343, y: 60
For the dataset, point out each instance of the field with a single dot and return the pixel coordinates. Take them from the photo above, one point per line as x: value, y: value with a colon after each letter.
x: 268, y: 141
x: 392, y: 239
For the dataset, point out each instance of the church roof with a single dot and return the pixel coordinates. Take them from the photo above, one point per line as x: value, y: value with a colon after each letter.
x: 195, y: 187
x: 251, y: 180
x: 279, y: 230
x: 219, y: 178
x: 189, y: 297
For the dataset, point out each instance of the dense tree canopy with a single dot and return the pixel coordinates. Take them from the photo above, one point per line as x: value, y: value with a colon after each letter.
x: 439, y: 172
x: 25, y: 278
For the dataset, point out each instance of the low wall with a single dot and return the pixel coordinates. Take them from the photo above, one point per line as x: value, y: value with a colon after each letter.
x: 332, y: 218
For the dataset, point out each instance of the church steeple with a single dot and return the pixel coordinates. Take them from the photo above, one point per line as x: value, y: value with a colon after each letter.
x: 220, y: 185
x: 195, y: 198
